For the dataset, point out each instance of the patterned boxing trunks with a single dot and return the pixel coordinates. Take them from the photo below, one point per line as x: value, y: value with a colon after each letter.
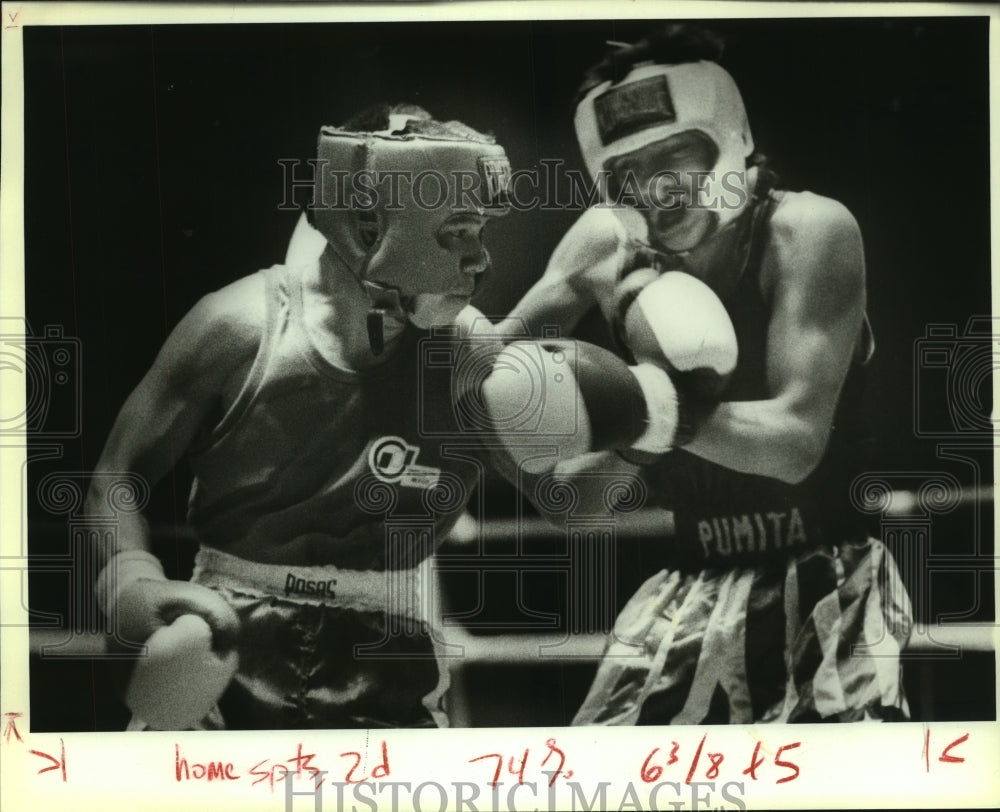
x: 816, y: 638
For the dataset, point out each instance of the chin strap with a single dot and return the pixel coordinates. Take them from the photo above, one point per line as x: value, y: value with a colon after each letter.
x: 376, y: 332
x: 648, y: 256
x: 385, y: 302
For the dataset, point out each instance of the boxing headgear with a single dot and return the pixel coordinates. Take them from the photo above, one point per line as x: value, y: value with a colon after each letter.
x: 654, y: 102
x: 382, y: 197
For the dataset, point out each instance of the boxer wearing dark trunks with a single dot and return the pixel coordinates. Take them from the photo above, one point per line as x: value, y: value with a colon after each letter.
x: 293, y: 394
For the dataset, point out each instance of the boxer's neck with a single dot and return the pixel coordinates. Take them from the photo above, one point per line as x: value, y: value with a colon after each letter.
x: 713, y: 261
x: 335, y: 311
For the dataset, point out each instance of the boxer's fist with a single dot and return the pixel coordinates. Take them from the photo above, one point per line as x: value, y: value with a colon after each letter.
x: 190, y: 635
x: 677, y: 322
x: 573, y: 397
x: 182, y: 675
x: 145, y: 605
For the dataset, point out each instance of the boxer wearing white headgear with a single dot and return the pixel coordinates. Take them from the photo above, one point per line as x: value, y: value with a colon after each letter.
x: 656, y: 102
x: 759, y: 485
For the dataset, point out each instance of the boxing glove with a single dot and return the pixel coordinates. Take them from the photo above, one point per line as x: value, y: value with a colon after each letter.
x: 566, y: 398
x: 181, y: 677
x: 676, y: 321
x: 190, y: 633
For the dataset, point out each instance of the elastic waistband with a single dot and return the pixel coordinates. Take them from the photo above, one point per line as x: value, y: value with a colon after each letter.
x: 395, y: 592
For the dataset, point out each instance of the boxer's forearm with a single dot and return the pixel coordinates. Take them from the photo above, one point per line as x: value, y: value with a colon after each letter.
x: 762, y: 438
x: 551, y: 302
x: 161, y: 417
x: 585, y: 265
x: 131, y: 532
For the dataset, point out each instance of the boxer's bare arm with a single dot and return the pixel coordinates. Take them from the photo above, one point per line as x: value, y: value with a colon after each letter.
x: 202, y: 360
x: 814, y: 279
x: 583, y: 269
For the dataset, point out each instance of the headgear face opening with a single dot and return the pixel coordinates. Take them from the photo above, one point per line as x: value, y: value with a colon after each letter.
x: 382, y: 198
x: 654, y: 102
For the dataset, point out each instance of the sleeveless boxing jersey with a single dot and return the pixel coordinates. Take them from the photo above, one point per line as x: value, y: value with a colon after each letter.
x: 724, y: 516
x: 348, y: 467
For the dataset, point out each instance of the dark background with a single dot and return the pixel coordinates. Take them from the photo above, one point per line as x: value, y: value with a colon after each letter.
x: 152, y: 178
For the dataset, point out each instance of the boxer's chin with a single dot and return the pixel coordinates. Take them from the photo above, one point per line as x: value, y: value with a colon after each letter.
x: 674, y: 233
x: 437, y: 309
x: 393, y: 325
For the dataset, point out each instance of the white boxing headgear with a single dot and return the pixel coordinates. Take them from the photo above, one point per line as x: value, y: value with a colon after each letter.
x: 654, y: 102
x: 381, y: 198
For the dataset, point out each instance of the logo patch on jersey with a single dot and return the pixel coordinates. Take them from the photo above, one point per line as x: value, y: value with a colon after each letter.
x: 394, y: 461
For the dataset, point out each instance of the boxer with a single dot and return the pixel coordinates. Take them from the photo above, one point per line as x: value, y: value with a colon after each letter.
x: 292, y: 393
x: 771, y: 581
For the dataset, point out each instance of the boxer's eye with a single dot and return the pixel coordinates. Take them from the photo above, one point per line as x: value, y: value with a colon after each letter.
x: 456, y: 233
x: 667, y: 188
x: 368, y: 228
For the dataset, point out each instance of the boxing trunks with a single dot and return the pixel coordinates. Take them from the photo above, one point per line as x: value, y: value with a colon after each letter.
x: 324, y: 647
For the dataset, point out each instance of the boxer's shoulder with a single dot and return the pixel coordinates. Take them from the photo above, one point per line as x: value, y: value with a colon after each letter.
x: 234, y: 314
x: 220, y: 335
x: 809, y: 216
x: 812, y: 238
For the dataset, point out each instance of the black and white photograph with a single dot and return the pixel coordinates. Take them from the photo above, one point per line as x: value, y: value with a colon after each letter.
x: 569, y: 382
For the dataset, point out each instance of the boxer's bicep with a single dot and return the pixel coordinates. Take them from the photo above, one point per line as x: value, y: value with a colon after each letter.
x: 163, y: 414
x: 818, y: 303
x: 814, y: 282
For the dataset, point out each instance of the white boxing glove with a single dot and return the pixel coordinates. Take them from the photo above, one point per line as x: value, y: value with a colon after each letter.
x: 190, y: 633
x: 182, y: 677
x: 676, y: 321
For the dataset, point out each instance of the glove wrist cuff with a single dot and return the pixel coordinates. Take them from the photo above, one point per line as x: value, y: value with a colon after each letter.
x: 124, y: 569
x: 662, y: 409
